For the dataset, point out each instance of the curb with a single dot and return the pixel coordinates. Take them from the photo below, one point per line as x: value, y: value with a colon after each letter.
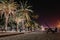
x: 11, y: 34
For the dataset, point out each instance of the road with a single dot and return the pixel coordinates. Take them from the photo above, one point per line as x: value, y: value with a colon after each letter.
x: 33, y: 36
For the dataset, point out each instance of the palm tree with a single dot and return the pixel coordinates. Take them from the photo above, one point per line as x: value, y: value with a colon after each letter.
x: 25, y: 10
x: 17, y: 20
x: 8, y: 9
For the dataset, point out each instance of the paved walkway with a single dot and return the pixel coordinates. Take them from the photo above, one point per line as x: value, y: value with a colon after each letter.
x: 3, y: 34
x: 33, y: 36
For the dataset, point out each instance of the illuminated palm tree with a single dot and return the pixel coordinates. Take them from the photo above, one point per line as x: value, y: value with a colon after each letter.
x: 18, y: 18
x: 25, y: 10
x: 8, y: 9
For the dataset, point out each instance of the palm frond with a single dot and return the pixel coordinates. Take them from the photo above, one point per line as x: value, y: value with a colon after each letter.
x: 29, y: 10
x: 29, y: 7
x: 21, y: 5
x: 1, y: 6
x: 25, y: 4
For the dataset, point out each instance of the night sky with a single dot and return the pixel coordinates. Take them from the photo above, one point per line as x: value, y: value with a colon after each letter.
x: 48, y: 10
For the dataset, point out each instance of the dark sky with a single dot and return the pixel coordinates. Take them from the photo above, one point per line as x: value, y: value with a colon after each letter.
x: 48, y: 10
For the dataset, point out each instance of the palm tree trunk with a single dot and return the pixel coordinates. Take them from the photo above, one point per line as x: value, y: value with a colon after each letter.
x: 27, y: 17
x: 6, y: 23
x: 17, y: 27
x: 23, y: 25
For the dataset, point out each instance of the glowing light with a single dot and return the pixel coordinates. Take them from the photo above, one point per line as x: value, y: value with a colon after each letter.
x: 58, y: 24
x: 42, y: 28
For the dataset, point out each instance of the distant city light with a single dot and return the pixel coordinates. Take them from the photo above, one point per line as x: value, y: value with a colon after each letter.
x: 58, y: 24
